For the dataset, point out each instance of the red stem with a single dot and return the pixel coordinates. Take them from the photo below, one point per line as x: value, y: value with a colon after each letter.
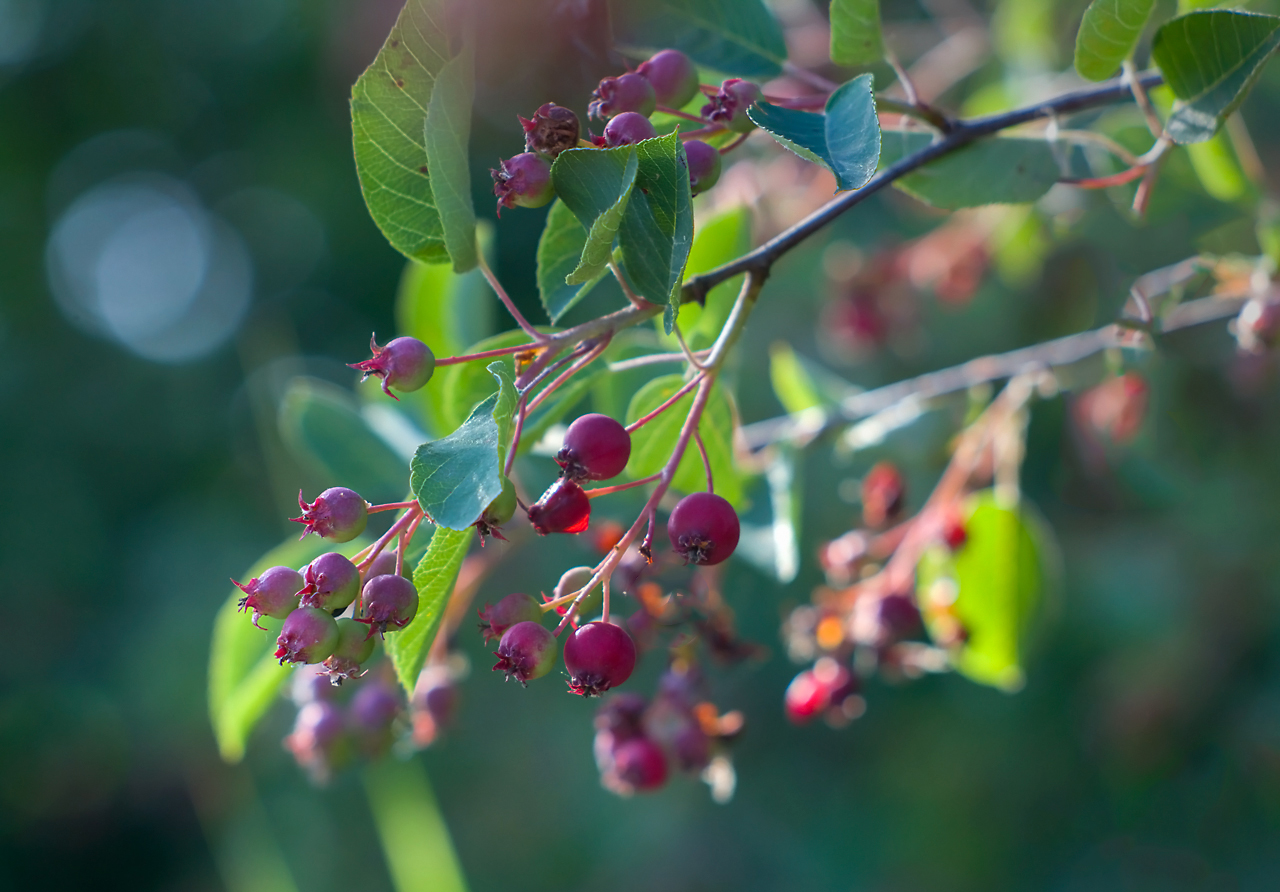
x: 672, y: 400
x: 706, y: 462
x: 605, y: 490
x: 487, y: 354
x: 391, y: 506
x: 675, y: 112
x: 568, y: 373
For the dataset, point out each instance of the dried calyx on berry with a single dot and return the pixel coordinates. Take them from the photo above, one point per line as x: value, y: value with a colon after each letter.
x: 674, y: 77
x: 563, y: 508
x: 388, y: 601
x: 596, y: 447
x: 406, y: 364
x: 552, y: 129
x: 598, y: 656
x: 527, y: 651
x: 274, y: 593
x: 729, y: 105
x: 515, y: 608
x: 337, y: 513
x: 703, y: 528
x: 332, y: 582
x: 628, y: 129
x: 704, y: 165
x: 498, y: 512
x: 354, y: 647
x: 309, y: 635
x: 625, y: 93
x: 523, y: 181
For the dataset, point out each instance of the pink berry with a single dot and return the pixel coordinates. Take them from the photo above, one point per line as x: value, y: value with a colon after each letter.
x: 627, y: 93
x: 337, y: 513
x: 388, y: 601
x: 523, y: 181
x: 563, y: 508
x: 552, y: 130
x: 274, y: 593
x: 599, y: 656
x: 703, y: 528
x: 354, y: 647
x: 704, y: 165
x: 640, y: 765
x: 309, y: 635
x: 729, y: 106
x: 674, y: 77
x: 332, y: 582
x: 527, y: 651
x: 596, y: 447
x: 404, y: 363
x: 806, y: 697
x: 514, y: 608
x: 627, y: 129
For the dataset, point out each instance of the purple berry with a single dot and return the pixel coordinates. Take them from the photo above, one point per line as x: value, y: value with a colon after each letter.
x: 375, y: 706
x: 436, y: 695
x: 704, y: 165
x: 311, y: 683
x: 274, y: 593
x: 674, y: 77
x: 527, y: 651
x: 499, y: 511
x: 692, y: 748
x: 622, y: 715
x: 385, y: 565
x: 619, y: 95
x: 729, y: 106
x: 514, y: 608
x: 319, y: 741
x: 552, y: 130
x: 354, y: 647
x: 639, y: 765
x: 523, y: 181
x: 337, y: 513
x: 703, y: 528
x: 899, y: 619
x: 596, y: 447
x: 628, y: 129
x: 332, y: 582
x: 388, y: 601
x: 309, y: 635
x: 599, y: 656
x: 404, y: 363
x: 563, y: 508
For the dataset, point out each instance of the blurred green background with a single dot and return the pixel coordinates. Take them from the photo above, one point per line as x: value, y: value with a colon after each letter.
x: 140, y: 468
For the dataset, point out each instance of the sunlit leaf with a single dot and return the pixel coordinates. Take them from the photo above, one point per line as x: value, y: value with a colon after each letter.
x: 447, y: 136
x: 458, y: 388
x: 718, y: 240
x: 855, y: 32
x: 792, y: 384
x: 737, y: 37
x: 1108, y: 33
x: 415, y: 839
x: 596, y: 185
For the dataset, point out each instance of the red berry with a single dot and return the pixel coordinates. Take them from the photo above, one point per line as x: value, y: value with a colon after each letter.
x: 515, y: 608
x: 404, y: 363
x: 388, y: 601
x: 527, y: 651
x: 729, y: 106
x: 337, y: 513
x: 704, y: 165
x: 882, y: 494
x: 599, y: 656
x: 805, y: 698
x: 553, y: 129
x: 354, y: 647
x: 523, y: 181
x: 639, y: 764
x: 274, y: 593
x: 332, y: 582
x: 627, y: 129
x: 563, y: 508
x: 673, y: 75
x: 703, y: 528
x: 596, y: 447
x: 628, y: 93
x: 899, y: 619
x: 309, y: 635
x: 953, y: 532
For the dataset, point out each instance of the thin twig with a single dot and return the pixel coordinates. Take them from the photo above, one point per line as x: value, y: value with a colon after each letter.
x: 636, y: 300
x: 1130, y: 77
x: 706, y: 460
x: 506, y: 300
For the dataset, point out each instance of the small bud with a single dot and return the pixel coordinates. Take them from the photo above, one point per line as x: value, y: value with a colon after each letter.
x: 729, y: 106
x: 274, y: 593
x: 523, y: 181
x: 406, y: 364
x: 704, y: 165
x: 674, y: 77
x: 552, y: 130
x: 628, y: 129
x: 618, y: 95
x: 337, y: 513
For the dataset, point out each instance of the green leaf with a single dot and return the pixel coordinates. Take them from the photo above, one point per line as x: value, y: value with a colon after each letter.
x: 717, y: 241
x: 1216, y: 167
x: 505, y: 410
x: 1210, y: 60
x: 443, y: 309
x: 388, y: 115
x: 243, y: 675
x: 791, y: 381
x: 802, y: 132
x: 595, y: 184
x: 562, y: 243
x: 320, y: 424
x: 995, y: 170
x: 737, y: 37
x: 855, y: 32
x: 1108, y: 33
x: 459, y: 387
x: 651, y: 444
x: 435, y: 577
x: 447, y: 135
x: 456, y: 477
x: 657, y: 228
x: 997, y: 579
x: 415, y: 839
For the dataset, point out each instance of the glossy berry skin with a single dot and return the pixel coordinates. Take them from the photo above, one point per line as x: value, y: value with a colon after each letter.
x: 274, y: 593
x: 598, y: 656
x: 639, y: 764
x: 332, y: 582
x: 337, y: 513
x: 354, y: 647
x: 596, y: 447
x: 674, y: 77
x: 385, y: 565
x: 523, y: 181
x: 619, y: 95
x: 309, y: 635
x: 704, y: 165
x: 563, y: 508
x: 729, y: 106
x: 514, y: 608
x: 498, y: 512
x: 628, y: 129
x: 882, y: 494
x: 527, y: 651
x: 406, y: 364
x: 703, y: 528
x: 552, y: 129
x: 388, y: 601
